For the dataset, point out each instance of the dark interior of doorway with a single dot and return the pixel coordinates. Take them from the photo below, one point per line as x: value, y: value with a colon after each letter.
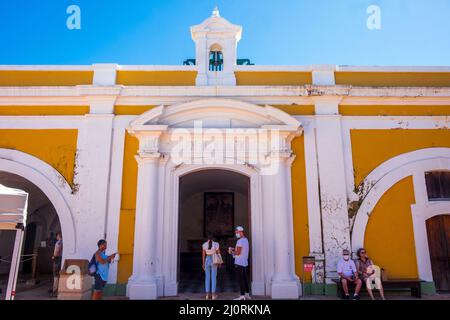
x: 36, y: 268
x: 194, y: 187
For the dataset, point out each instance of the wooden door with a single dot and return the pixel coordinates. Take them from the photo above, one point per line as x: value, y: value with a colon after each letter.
x: 438, y: 230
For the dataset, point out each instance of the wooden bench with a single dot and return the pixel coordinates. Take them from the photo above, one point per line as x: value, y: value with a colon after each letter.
x: 412, y: 284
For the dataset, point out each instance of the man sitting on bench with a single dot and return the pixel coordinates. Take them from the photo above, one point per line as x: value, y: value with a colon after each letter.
x: 346, y: 269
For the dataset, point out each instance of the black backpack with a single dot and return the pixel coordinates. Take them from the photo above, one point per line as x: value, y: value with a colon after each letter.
x: 92, y: 266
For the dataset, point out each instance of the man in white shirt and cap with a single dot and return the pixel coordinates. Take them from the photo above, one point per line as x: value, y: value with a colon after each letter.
x: 240, y: 255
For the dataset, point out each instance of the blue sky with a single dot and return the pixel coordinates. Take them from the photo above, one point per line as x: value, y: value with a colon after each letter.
x: 275, y: 32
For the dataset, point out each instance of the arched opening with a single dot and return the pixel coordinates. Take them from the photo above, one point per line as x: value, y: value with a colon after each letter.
x: 438, y: 233
x: 215, y: 201
x: 215, y: 58
x: 36, y: 267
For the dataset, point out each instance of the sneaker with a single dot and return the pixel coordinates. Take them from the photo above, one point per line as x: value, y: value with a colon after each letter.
x: 207, y: 296
x: 346, y: 297
x: 247, y: 296
x: 214, y: 297
x: 240, y: 298
x: 355, y: 297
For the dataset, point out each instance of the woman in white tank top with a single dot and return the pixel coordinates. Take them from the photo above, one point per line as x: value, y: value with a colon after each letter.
x: 209, y: 248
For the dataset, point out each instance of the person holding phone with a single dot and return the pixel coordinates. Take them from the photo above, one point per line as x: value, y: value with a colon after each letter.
x: 240, y: 255
x: 101, y: 276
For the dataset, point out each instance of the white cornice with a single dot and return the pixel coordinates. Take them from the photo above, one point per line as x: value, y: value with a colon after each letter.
x: 191, y: 91
x: 255, y: 68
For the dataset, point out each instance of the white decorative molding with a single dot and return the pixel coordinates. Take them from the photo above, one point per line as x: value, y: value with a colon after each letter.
x: 295, y: 68
x: 396, y: 122
x: 264, y: 117
x: 394, y: 95
x: 154, y: 130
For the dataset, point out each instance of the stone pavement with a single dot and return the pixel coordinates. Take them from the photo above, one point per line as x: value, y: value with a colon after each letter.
x: 39, y: 291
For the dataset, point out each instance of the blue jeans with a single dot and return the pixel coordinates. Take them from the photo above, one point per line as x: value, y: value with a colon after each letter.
x: 210, y: 275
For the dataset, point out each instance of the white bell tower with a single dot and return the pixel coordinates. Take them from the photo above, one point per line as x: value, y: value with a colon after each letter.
x: 215, y: 50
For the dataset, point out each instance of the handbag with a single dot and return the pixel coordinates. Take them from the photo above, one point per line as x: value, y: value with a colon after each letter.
x: 217, y: 258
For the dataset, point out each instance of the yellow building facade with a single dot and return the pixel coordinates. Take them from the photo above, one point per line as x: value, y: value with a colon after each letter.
x: 323, y: 158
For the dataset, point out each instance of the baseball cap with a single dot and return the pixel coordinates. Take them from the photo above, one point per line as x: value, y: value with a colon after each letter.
x: 239, y: 228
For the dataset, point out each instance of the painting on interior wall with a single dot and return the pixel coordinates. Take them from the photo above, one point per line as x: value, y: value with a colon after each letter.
x: 218, y: 214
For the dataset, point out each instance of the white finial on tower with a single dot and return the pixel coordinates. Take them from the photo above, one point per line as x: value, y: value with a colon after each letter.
x: 215, y: 12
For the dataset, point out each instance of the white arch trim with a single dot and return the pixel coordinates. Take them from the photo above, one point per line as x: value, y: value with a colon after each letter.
x: 415, y: 164
x: 51, y: 182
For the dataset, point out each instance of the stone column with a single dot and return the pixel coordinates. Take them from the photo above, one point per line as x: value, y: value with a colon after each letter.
x: 284, y: 282
x: 143, y: 283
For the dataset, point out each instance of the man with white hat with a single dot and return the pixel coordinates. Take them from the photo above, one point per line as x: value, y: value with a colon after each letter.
x: 240, y: 255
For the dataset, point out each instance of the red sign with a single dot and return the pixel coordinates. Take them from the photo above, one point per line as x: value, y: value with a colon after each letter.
x: 308, y: 267
x: 308, y: 263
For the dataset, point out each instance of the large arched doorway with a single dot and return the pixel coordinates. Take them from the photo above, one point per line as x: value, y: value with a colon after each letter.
x: 438, y: 232
x: 210, y: 201
x: 35, y: 270
x: 206, y: 134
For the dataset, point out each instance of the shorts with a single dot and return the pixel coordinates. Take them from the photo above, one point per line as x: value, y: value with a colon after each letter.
x: 99, y: 283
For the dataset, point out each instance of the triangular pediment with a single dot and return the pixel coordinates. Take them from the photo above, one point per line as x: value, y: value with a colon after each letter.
x: 217, y: 113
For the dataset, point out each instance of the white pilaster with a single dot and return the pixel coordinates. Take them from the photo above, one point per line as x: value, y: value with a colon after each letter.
x: 143, y: 283
x: 91, y: 179
x: 115, y: 189
x: 313, y: 198
x: 284, y: 282
x: 332, y: 178
x: 101, y: 104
